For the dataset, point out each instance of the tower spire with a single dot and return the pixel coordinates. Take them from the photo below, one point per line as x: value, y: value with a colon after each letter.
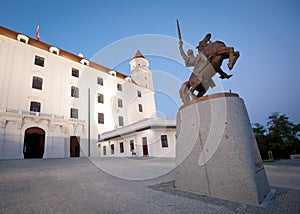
x: 138, y: 55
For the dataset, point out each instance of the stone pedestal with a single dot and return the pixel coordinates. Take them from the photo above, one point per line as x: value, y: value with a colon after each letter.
x: 216, y: 150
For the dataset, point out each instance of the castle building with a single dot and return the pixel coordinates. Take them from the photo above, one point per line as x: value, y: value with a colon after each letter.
x: 55, y: 104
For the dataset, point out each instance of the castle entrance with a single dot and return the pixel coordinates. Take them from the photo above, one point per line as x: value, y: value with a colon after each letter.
x: 34, y: 143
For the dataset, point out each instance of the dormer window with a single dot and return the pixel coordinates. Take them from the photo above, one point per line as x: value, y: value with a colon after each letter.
x: 113, y: 73
x: 22, y: 38
x: 84, y: 62
x: 54, y: 50
x: 128, y: 79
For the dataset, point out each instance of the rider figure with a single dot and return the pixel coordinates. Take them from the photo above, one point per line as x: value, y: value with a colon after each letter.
x: 189, y: 59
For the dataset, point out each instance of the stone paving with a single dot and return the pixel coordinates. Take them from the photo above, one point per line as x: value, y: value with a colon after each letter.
x: 79, y: 185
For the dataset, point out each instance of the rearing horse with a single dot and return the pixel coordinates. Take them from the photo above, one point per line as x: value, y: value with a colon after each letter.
x: 219, y: 51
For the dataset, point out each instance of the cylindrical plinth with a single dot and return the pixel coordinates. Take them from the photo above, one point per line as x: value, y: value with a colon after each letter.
x: 216, y: 150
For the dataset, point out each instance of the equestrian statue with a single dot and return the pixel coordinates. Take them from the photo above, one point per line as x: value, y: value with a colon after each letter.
x: 206, y: 64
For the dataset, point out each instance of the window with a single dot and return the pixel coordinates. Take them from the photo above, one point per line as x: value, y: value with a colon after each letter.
x: 121, y: 121
x: 99, y: 80
x: 131, y: 145
x: 104, y: 150
x: 164, y: 140
x: 84, y: 62
x: 120, y: 103
x: 100, y: 98
x: 54, y: 50
x: 75, y: 72
x: 112, y: 149
x: 101, y: 118
x: 121, y: 147
x: 74, y: 92
x: 140, y: 108
x: 113, y: 73
x: 119, y: 87
x: 39, y: 61
x: 35, y: 106
x: 22, y: 38
x: 139, y: 93
x: 74, y: 113
x: 37, y: 83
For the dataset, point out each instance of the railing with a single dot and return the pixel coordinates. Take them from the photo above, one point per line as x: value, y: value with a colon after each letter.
x: 75, y: 120
x: 59, y: 117
x: 11, y: 110
x: 44, y: 115
x: 30, y: 113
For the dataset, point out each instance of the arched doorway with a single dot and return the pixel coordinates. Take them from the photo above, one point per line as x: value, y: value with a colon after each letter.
x: 34, y: 143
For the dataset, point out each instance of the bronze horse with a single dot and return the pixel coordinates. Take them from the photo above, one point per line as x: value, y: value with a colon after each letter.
x: 216, y: 52
x: 201, y: 78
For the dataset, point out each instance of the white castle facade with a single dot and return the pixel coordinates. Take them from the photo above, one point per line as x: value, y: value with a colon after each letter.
x: 54, y: 104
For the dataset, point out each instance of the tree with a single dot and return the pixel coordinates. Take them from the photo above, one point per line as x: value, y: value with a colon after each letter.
x: 283, y: 135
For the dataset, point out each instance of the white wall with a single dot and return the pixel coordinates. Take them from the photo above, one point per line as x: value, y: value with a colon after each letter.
x: 155, y: 148
x: 17, y: 69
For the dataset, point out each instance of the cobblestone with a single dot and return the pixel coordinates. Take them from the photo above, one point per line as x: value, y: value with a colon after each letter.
x: 78, y: 186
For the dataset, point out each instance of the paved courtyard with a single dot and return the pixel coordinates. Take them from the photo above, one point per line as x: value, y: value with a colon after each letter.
x: 118, y: 185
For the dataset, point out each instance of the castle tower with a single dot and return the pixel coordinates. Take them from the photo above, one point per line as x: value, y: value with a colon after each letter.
x: 139, y: 70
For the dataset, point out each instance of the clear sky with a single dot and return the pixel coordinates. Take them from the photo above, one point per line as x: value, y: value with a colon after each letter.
x: 266, y: 32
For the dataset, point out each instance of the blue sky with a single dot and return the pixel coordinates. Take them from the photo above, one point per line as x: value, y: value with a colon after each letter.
x: 265, y: 32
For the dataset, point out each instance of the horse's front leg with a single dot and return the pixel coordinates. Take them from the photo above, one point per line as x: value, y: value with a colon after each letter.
x: 236, y: 55
x: 233, y: 58
x: 230, y: 52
